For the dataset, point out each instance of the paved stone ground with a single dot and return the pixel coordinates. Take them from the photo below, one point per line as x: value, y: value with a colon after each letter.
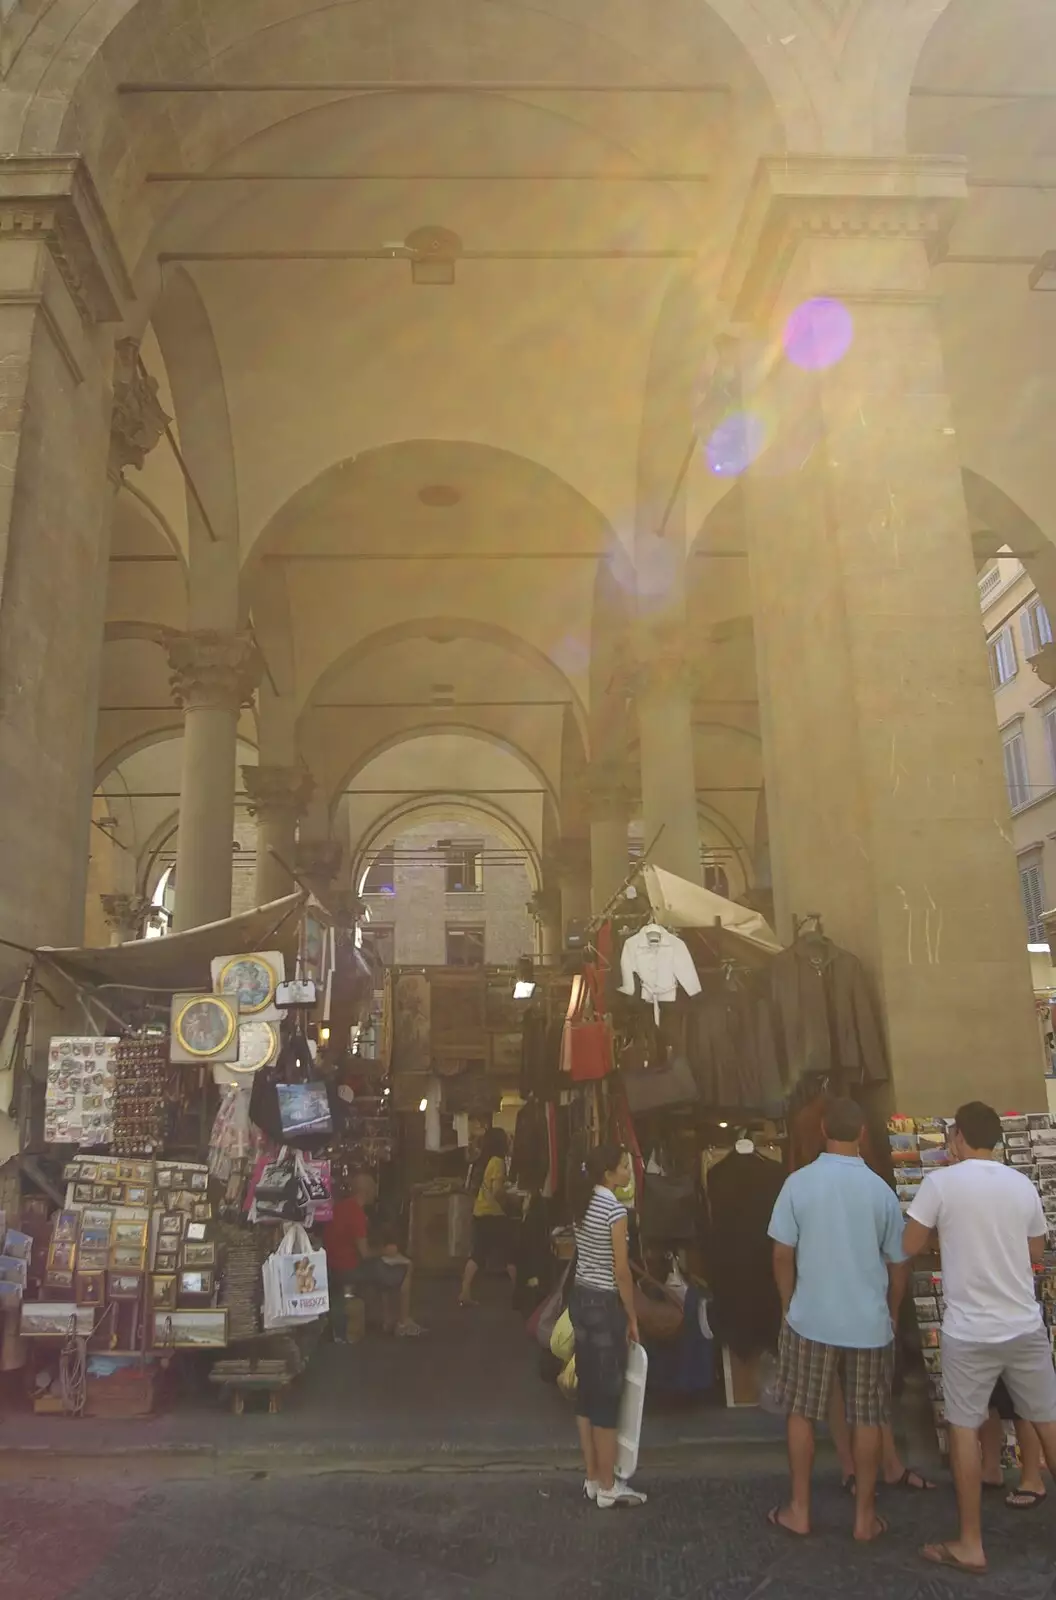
x: 479, y: 1537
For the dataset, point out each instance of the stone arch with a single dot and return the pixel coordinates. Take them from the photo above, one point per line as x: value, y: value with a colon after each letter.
x: 448, y: 808
x: 53, y: 91
x: 455, y: 627
x: 466, y: 730
x: 997, y: 520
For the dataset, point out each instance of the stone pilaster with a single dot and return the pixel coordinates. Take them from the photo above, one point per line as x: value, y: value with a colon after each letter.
x: 663, y: 691
x: 278, y: 799
x: 611, y: 799
x: 62, y: 279
x: 126, y: 916
x: 571, y: 868
x: 214, y: 674
x: 887, y: 804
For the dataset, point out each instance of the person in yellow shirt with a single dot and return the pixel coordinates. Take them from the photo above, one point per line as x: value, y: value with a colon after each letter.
x: 491, y: 1229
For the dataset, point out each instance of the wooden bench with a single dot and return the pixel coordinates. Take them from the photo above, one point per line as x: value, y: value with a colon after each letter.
x: 248, y: 1377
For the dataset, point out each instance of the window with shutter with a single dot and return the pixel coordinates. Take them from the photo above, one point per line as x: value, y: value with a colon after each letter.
x: 1002, y: 658
x: 1016, y: 774
x: 1032, y: 886
x: 1050, y: 736
x: 1036, y: 628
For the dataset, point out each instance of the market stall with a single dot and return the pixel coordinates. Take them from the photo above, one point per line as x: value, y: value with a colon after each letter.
x: 176, y: 1096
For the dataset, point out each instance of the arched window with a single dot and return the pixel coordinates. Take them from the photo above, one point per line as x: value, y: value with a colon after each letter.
x: 380, y: 876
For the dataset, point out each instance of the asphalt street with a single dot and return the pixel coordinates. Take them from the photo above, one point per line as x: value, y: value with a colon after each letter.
x: 478, y: 1536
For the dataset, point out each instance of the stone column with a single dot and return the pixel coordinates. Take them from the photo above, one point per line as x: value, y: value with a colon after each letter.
x: 278, y: 797
x: 63, y: 286
x: 213, y: 676
x: 319, y: 863
x: 611, y: 801
x: 573, y: 876
x: 546, y: 909
x: 663, y: 693
x: 126, y: 916
x: 887, y: 805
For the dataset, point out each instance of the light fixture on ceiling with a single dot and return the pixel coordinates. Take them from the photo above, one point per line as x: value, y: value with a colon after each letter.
x: 423, y: 1105
x: 1042, y: 278
x: 432, y: 253
x: 439, y: 496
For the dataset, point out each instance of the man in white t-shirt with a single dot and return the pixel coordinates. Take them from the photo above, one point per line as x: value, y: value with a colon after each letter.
x: 991, y: 1230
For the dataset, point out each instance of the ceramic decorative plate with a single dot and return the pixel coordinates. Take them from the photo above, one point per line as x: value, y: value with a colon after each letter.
x: 252, y: 978
x: 258, y: 1045
x: 203, y: 1025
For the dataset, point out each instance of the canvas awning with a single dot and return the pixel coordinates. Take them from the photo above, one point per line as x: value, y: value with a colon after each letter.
x: 681, y: 905
x: 181, y: 960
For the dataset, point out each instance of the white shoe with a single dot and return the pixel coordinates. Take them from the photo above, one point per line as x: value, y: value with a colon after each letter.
x: 590, y: 1489
x: 621, y: 1494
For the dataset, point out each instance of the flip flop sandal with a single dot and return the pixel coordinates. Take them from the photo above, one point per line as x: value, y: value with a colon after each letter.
x: 850, y: 1485
x: 773, y: 1516
x: 1024, y: 1500
x: 925, y: 1486
x: 883, y: 1526
x: 940, y: 1555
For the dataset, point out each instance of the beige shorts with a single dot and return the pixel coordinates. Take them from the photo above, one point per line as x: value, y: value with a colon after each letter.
x: 970, y: 1371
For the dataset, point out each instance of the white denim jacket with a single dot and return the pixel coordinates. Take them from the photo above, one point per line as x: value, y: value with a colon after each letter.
x: 661, y: 960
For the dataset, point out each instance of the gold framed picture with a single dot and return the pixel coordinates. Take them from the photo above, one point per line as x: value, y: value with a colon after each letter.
x: 251, y: 979
x: 125, y: 1285
x: 204, y: 1028
x: 89, y: 1288
x: 204, y: 1329
x: 163, y: 1291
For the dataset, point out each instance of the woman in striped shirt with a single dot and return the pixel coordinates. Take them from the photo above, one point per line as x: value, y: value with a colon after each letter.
x: 603, y: 1317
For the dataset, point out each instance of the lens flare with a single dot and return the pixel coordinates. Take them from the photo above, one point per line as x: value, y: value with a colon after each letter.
x: 818, y: 334
x: 738, y: 440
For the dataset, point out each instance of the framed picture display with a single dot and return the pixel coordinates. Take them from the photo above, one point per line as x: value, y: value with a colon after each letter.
x: 125, y: 1285
x: 196, y: 1285
x: 53, y: 1319
x: 89, y: 1288
x: 204, y: 1028
x: 163, y: 1291
x: 199, y: 1255
x: 191, y: 1329
x: 251, y: 980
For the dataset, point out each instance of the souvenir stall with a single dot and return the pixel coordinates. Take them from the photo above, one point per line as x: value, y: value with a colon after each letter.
x: 919, y: 1146
x: 722, y: 1046
x: 170, y: 1089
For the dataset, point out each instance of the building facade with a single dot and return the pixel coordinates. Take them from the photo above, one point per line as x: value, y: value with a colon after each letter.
x: 546, y: 422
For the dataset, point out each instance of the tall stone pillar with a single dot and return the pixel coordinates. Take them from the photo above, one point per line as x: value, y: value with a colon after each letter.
x: 546, y: 909
x: 126, y: 916
x: 663, y: 692
x: 213, y: 676
x: 887, y: 805
x: 63, y: 286
x: 319, y: 863
x: 573, y: 876
x: 611, y: 802
x: 278, y: 797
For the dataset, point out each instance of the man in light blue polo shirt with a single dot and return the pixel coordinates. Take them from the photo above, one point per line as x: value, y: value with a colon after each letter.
x: 841, y: 1275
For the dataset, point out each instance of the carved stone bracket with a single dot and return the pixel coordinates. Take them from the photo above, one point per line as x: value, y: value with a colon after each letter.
x: 277, y: 791
x: 138, y: 419
x: 213, y: 669
x: 799, y: 197
x: 1044, y: 664
x: 52, y: 200
x: 125, y: 914
x: 545, y: 905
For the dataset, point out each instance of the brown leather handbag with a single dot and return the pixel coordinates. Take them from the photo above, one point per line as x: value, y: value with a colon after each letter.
x: 659, y: 1315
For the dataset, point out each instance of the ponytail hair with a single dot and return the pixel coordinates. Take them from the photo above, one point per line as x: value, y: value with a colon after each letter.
x: 605, y: 1158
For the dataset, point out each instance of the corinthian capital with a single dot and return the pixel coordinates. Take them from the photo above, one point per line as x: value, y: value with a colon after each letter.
x: 125, y: 915
x: 277, y: 791
x: 213, y: 669
x: 138, y: 419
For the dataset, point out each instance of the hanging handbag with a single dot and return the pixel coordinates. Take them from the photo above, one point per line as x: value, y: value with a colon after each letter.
x: 656, y: 1088
x: 668, y: 1209
x: 586, y: 1044
x: 659, y: 1315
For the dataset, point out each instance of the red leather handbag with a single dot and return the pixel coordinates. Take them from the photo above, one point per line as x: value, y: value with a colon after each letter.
x: 586, y: 1044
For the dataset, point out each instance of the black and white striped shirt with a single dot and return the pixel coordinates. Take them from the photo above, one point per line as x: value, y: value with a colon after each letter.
x: 594, y: 1262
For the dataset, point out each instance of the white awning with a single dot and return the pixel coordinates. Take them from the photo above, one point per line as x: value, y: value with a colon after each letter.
x: 679, y: 904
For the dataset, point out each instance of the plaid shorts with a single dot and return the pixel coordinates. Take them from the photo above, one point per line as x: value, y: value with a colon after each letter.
x: 807, y: 1371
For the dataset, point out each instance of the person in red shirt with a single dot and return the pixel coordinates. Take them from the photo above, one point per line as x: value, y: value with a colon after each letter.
x: 354, y: 1262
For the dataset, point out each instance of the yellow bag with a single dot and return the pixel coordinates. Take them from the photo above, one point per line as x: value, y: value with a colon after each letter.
x: 563, y: 1339
x: 567, y: 1381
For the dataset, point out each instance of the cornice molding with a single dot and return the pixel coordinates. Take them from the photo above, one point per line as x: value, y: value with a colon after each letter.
x: 52, y: 200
